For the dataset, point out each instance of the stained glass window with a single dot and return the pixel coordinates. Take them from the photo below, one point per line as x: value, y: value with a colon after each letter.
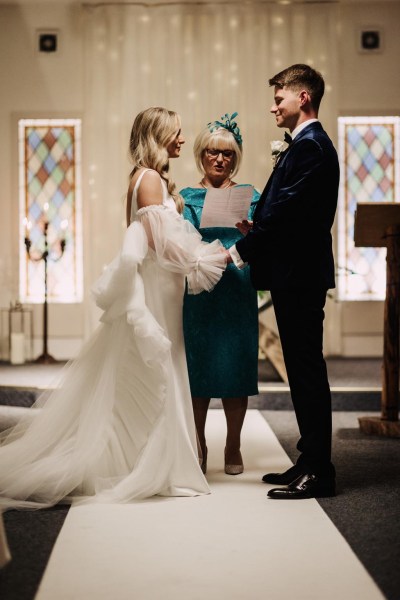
x: 370, y: 158
x: 50, y: 204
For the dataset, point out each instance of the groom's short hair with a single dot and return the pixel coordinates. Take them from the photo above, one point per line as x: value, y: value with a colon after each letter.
x: 299, y: 77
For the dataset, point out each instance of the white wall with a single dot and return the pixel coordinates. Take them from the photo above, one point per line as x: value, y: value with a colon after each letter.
x: 369, y: 82
x: 46, y: 85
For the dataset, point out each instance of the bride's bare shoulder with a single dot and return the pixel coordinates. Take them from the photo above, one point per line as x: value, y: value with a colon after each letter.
x: 150, y: 188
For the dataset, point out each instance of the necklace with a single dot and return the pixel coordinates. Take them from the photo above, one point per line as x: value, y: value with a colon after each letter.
x: 222, y: 187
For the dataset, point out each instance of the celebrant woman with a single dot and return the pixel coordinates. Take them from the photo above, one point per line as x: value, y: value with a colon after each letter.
x: 221, y: 328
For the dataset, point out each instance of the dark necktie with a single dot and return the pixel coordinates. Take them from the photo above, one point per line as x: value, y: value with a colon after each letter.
x: 288, y: 138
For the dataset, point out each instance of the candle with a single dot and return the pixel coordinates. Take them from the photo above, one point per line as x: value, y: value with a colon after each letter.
x: 64, y: 227
x: 28, y: 226
x: 17, y: 354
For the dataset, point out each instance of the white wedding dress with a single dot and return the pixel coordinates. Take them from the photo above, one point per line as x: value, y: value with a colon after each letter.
x: 120, y: 426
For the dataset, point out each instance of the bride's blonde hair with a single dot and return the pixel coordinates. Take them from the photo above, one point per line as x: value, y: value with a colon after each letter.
x: 152, y: 130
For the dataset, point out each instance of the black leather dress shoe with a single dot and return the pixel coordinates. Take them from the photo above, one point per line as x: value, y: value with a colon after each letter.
x: 284, y: 478
x: 306, y: 486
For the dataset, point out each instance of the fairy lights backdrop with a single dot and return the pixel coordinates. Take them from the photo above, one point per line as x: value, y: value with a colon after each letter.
x: 202, y: 60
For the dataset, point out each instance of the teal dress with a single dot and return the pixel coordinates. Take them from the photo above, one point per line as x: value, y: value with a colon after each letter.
x: 221, y: 327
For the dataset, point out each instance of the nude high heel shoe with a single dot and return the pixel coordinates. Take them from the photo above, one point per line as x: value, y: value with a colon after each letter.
x: 233, y: 469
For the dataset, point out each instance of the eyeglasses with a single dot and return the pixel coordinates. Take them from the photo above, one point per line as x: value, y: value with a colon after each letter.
x: 227, y: 154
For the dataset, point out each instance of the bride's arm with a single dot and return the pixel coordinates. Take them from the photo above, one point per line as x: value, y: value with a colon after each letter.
x: 176, y: 242
x: 149, y: 192
x: 179, y: 247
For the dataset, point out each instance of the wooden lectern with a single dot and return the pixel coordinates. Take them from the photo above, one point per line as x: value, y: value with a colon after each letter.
x: 378, y: 224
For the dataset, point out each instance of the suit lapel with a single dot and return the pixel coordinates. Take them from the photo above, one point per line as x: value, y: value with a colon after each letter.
x: 263, y: 197
x: 313, y: 126
x: 265, y: 191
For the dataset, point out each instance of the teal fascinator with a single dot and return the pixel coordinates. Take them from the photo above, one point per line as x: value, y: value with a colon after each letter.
x: 228, y: 123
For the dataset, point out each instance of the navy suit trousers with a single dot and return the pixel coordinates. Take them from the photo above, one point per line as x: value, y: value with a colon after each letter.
x: 300, y: 314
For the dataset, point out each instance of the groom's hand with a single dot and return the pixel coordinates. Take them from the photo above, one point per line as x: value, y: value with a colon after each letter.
x: 244, y: 226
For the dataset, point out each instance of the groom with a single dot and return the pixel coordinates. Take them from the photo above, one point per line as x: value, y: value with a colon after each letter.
x: 289, y: 249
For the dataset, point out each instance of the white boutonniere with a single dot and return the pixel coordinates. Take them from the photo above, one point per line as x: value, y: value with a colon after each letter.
x: 277, y: 147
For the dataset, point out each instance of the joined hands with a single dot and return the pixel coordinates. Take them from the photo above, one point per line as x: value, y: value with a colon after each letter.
x: 244, y: 228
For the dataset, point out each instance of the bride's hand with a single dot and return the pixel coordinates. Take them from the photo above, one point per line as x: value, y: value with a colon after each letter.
x: 244, y: 226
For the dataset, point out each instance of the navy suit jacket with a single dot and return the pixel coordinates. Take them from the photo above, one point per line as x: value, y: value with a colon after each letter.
x: 290, y: 244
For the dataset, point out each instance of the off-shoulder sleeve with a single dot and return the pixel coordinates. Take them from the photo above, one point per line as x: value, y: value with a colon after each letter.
x: 179, y: 248
x: 120, y: 290
x: 115, y: 285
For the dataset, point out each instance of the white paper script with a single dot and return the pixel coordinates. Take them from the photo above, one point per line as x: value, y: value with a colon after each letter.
x: 225, y: 208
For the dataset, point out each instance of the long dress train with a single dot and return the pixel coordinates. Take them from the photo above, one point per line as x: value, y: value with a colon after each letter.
x: 119, y: 426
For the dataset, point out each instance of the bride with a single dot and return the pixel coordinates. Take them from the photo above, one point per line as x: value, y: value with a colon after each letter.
x: 119, y: 426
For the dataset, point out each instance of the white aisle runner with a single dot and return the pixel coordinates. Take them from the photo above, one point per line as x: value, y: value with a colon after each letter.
x: 232, y: 544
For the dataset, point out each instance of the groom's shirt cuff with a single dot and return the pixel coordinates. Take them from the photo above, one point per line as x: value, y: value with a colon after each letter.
x: 239, y: 263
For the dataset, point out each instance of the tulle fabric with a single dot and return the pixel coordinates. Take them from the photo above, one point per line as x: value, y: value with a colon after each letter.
x: 119, y: 425
x: 180, y: 248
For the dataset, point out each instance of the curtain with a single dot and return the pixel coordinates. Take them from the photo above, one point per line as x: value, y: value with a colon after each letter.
x: 202, y: 60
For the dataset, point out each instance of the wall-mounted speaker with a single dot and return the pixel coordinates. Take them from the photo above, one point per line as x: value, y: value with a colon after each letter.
x: 370, y: 40
x: 47, y: 41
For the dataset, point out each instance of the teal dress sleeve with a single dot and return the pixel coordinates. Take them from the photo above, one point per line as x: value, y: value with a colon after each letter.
x: 221, y: 327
